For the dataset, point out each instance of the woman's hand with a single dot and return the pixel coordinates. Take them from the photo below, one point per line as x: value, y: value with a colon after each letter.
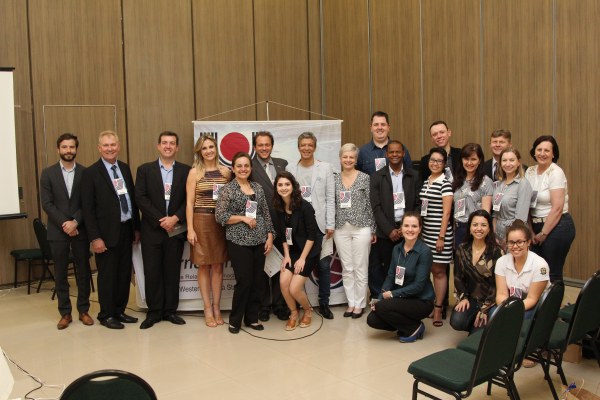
x: 268, y: 244
x: 299, y: 266
x: 286, y: 261
x: 462, y: 305
x: 191, y: 237
x: 387, y: 295
x: 439, y: 245
x: 539, y: 238
x: 373, y: 306
x: 481, y: 320
x: 251, y: 222
x: 373, y: 238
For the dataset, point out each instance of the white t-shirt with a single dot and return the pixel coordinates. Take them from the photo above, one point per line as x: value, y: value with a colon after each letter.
x: 553, y: 178
x: 536, y: 269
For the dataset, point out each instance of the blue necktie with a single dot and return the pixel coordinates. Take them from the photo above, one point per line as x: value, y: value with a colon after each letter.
x: 122, y: 198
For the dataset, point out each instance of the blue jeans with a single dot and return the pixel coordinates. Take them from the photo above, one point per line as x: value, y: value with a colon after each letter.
x: 556, y: 246
x: 324, y: 275
x: 460, y: 229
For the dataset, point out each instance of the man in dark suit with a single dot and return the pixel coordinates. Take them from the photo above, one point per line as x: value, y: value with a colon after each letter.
x: 60, y: 187
x: 500, y: 140
x: 440, y: 136
x: 160, y: 195
x: 389, y: 186
x: 113, y: 222
x: 264, y: 170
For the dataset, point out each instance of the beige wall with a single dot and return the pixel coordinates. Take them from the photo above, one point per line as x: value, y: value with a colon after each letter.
x: 156, y: 65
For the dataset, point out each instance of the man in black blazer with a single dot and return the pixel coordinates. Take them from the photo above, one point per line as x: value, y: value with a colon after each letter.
x: 500, y: 140
x: 388, y: 186
x: 113, y: 222
x: 264, y: 170
x: 60, y: 187
x: 440, y: 136
x: 160, y: 195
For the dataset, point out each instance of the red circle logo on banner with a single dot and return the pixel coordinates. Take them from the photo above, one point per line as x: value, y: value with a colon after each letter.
x: 232, y: 143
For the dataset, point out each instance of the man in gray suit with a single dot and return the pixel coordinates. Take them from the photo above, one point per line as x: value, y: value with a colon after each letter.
x: 316, y: 182
x: 264, y: 170
x: 61, y: 199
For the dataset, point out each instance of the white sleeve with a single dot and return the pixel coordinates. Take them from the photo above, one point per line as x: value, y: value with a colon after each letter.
x: 541, y: 270
x: 557, y: 179
x: 501, y: 265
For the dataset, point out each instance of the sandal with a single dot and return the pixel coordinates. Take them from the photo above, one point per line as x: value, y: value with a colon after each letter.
x: 292, y: 322
x: 218, y: 316
x: 210, y: 321
x: 439, y: 323
x: 305, y: 323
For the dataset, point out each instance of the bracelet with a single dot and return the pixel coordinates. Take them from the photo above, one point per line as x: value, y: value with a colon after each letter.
x: 441, y: 237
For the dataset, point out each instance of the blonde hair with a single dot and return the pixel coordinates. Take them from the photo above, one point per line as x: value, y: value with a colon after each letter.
x: 108, y: 133
x: 198, y: 160
x: 349, y: 147
x: 520, y: 170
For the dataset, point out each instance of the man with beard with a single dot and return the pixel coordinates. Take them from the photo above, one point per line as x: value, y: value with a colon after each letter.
x: 61, y: 199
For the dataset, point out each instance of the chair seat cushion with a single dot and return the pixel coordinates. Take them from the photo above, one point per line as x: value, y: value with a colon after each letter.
x: 559, y: 335
x: 27, y: 254
x: 471, y: 343
x: 450, y: 368
x: 567, y: 312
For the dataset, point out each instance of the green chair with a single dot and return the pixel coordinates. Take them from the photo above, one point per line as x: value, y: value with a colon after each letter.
x: 566, y: 313
x: 123, y: 386
x: 534, y: 335
x: 584, y: 324
x: 31, y: 256
x: 457, y: 372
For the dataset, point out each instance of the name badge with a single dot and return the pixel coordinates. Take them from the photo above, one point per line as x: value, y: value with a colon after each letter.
x: 168, y: 187
x: 345, y: 199
x: 306, y: 193
x: 216, y: 189
x: 424, y: 204
x: 498, y: 201
x: 460, y: 208
x: 516, y: 292
x: 379, y: 163
x: 496, y: 183
x: 448, y: 175
x: 120, y: 186
x: 288, y: 236
x: 399, y: 201
x: 533, y: 199
x: 400, y: 275
x: 251, y: 207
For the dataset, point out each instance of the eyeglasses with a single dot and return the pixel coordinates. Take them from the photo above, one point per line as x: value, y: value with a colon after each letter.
x: 438, y: 162
x: 518, y: 243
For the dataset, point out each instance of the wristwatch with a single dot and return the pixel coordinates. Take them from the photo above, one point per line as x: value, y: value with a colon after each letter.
x: 542, y: 233
x: 441, y: 237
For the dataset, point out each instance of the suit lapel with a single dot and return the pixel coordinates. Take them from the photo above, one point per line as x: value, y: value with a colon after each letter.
x: 294, y: 221
x: 261, y: 173
x: 77, y: 178
x: 59, y: 176
x: 315, y: 174
x: 106, y: 177
x: 159, y: 182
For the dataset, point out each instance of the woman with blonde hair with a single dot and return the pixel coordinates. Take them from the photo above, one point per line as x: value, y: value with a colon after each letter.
x: 207, y: 238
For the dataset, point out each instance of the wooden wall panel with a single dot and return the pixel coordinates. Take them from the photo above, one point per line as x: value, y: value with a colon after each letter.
x: 577, y: 105
x: 159, y: 68
x: 224, y: 59
x: 452, y: 68
x: 281, y: 58
x: 77, y: 59
x: 518, y: 70
x: 346, y: 47
x: 396, y: 68
x: 314, y: 58
x: 18, y: 234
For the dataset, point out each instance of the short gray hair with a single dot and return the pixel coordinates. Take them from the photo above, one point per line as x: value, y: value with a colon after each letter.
x: 349, y: 147
x: 307, y: 135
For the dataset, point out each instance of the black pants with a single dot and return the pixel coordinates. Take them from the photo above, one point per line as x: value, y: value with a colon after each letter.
x: 401, y: 314
x: 114, y: 274
x: 379, y: 264
x: 248, y: 263
x: 162, y: 264
x: 464, y: 320
x: 81, y: 256
x: 270, y: 293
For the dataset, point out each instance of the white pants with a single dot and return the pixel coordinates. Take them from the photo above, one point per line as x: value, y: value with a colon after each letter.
x: 353, y: 246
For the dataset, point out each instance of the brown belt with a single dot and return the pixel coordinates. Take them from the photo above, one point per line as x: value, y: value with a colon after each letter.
x: 538, y: 220
x: 204, y: 210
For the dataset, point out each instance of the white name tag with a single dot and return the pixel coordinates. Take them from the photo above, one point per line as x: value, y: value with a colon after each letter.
x: 120, y: 186
x: 288, y: 236
x: 399, y: 201
x: 168, y: 188
x: 460, y: 208
x: 498, y: 201
x: 345, y: 199
x: 216, y: 189
x: 516, y: 292
x: 533, y: 199
x: 306, y: 193
x: 251, y: 207
x: 424, y: 204
x: 400, y: 275
x: 379, y: 163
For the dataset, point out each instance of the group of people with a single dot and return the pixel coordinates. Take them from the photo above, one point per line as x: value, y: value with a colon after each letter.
x: 392, y: 225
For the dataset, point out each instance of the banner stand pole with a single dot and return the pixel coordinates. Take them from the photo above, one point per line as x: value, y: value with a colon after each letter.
x: 267, y: 101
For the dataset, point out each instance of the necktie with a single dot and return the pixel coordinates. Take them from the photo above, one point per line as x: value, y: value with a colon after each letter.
x: 122, y: 198
x: 268, y: 171
x: 495, y: 172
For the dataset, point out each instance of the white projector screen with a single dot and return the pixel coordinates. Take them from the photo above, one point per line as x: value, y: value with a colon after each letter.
x: 9, y: 194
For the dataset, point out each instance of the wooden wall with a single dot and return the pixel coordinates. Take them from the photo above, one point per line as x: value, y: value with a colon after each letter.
x: 529, y: 66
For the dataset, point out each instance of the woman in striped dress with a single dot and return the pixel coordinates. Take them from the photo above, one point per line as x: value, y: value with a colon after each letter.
x: 208, y: 249
x: 436, y: 205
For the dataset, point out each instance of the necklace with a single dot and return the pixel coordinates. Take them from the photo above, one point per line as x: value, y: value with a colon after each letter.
x: 478, y: 251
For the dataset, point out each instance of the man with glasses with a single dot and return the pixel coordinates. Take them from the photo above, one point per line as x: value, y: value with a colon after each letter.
x: 440, y: 136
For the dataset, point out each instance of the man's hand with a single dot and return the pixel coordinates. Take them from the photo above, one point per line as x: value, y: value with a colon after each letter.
x: 74, y: 233
x: 168, y: 223
x: 69, y: 227
x: 99, y: 246
x: 395, y: 235
x: 136, y: 237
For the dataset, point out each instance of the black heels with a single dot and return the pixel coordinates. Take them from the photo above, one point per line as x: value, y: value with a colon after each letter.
x: 437, y: 324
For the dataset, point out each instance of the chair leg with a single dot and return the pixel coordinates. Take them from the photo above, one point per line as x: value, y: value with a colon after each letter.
x: 546, y: 368
x: 489, y: 388
x: 415, y: 389
x: 16, y: 265
x: 29, y: 278
x: 559, y: 358
x: 43, y: 275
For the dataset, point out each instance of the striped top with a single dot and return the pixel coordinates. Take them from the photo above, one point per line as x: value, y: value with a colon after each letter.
x: 432, y: 223
x: 204, y: 189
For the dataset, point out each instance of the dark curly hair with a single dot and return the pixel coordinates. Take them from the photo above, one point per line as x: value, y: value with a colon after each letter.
x: 277, y: 201
x: 490, y: 239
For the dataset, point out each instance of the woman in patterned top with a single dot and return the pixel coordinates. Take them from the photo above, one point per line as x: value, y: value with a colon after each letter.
x: 242, y: 209
x: 354, y: 229
x: 206, y: 237
x: 474, y: 282
x: 436, y: 204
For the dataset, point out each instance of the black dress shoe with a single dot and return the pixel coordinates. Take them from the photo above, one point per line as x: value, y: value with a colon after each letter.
x: 264, y: 315
x: 234, y: 329
x: 325, y: 311
x: 111, y: 323
x: 174, y: 319
x: 258, y: 327
x: 282, y: 314
x: 147, y: 323
x: 356, y: 316
x: 348, y: 314
x: 126, y: 318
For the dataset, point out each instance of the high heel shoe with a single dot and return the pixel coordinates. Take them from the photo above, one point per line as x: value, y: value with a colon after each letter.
x: 305, y: 323
x: 437, y: 324
x: 218, y: 317
x: 292, y: 323
x: 210, y: 321
x: 417, y: 335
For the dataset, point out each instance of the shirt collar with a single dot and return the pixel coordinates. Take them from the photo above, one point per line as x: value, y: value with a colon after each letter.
x: 262, y: 163
x: 109, y: 165
x: 528, y: 263
x: 439, y: 178
x: 393, y: 173
x: 163, y: 167
x: 374, y: 146
x: 67, y: 170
